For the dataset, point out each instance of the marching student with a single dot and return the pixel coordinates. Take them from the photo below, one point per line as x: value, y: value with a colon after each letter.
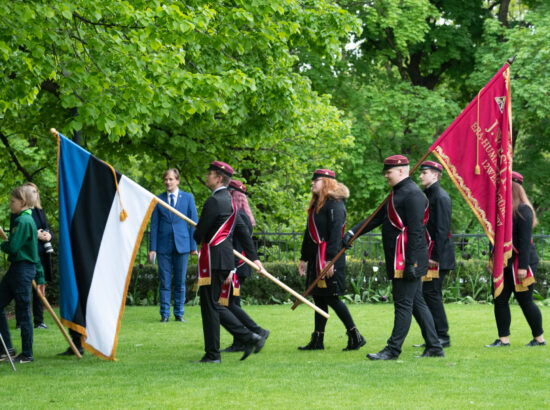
x: 322, y: 241
x: 403, y: 220
x: 237, y: 190
x: 218, y: 222
x: 22, y: 250
x: 441, y: 249
x: 519, y: 275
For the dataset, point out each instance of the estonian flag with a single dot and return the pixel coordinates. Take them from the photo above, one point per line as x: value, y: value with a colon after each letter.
x: 98, y: 241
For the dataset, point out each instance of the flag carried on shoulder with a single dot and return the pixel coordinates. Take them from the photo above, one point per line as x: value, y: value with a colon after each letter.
x: 102, y: 217
x: 476, y: 151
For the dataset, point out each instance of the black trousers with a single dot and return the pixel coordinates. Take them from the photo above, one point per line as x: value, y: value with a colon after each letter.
x: 323, y: 302
x: 408, y: 301
x: 238, y: 311
x: 213, y: 314
x: 432, y: 292
x: 525, y: 299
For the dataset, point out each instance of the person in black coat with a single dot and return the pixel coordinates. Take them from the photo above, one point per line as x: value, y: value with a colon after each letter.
x: 217, y: 224
x: 45, y: 250
x: 519, y: 274
x: 322, y: 241
x: 403, y: 221
x: 237, y: 190
x: 441, y: 249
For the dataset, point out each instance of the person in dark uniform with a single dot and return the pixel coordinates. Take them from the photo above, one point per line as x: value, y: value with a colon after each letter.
x: 440, y: 246
x: 322, y: 241
x: 217, y: 224
x: 519, y: 274
x: 403, y: 221
x: 237, y: 190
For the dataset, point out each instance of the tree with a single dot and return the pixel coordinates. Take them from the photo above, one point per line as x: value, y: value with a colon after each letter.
x: 149, y: 84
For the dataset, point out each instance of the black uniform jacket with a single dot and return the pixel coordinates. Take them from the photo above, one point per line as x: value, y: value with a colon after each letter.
x: 522, y: 235
x: 439, y: 226
x: 410, y: 203
x: 244, y: 271
x: 215, y: 211
x: 330, y: 222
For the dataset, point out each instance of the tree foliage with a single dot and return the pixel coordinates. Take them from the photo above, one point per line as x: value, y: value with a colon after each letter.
x: 151, y: 84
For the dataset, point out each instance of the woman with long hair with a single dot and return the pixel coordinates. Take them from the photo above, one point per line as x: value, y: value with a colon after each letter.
x: 519, y: 275
x: 322, y: 241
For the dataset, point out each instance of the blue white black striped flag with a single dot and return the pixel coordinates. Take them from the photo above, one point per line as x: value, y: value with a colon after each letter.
x: 102, y: 217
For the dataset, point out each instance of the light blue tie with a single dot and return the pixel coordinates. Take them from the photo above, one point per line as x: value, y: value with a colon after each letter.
x: 172, y: 200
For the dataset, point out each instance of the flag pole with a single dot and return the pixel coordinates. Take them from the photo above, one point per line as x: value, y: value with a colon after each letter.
x: 355, y: 235
x: 263, y: 272
x: 56, y: 319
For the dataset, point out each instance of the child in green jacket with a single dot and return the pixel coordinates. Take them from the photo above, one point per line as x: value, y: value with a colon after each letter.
x: 22, y: 250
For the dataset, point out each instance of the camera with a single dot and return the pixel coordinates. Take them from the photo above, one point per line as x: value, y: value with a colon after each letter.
x: 48, y: 248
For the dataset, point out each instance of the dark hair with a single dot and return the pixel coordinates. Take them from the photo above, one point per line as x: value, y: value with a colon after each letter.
x: 225, y: 178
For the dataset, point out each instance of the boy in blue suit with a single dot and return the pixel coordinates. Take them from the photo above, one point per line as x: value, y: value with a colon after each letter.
x: 171, y: 243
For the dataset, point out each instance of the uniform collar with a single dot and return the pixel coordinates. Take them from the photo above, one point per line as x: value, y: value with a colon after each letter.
x: 401, y: 183
x: 433, y: 187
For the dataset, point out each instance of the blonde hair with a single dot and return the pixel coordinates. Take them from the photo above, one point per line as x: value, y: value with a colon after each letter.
x: 26, y: 194
x: 318, y: 200
x: 520, y: 197
x: 37, y: 204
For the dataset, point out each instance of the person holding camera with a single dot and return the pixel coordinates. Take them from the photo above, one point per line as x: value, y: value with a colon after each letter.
x: 403, y: 220
x: 45, y: 250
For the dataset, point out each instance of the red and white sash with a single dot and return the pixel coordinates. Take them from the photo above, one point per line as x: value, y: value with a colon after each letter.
x: 320, y: 260
x: 204, y: 255
x: 401, y: 240
x: 521, y: 285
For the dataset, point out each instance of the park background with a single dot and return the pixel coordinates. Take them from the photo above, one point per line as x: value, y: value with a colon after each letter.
x: 276, y: 88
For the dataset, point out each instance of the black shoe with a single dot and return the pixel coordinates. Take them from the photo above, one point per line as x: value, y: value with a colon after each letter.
x: 432, y: 352
x: 233, y: 348
x: 21, y: 358
x: 179, y: 319
x: 264, y: 335
x: 4, y: 356
x: 252, y: 345
x: 163, y: 319
x: 498, y: 343
x: 316, y: 342
x: 384, y: 354
x: 41, y: 326
x: 205, y: 360
x: 535, y: 342
x: 445, y: 343
x: 69, y: 352
x: 355, y: 340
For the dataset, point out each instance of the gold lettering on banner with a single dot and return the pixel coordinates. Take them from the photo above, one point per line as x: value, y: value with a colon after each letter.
x: 501, y: 206
x: 490, y: 171
x: 486, y: 144
x: 492, y: 126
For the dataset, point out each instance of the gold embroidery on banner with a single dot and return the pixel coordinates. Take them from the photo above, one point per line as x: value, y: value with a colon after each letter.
x: 466, y: 193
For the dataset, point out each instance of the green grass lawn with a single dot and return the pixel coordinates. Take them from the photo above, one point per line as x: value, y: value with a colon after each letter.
x: 154, y: 369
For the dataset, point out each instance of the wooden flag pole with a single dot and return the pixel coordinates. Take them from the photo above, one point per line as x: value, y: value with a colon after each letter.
x: 263, y: 272
x: 356, y: 234
x: 56, y: 319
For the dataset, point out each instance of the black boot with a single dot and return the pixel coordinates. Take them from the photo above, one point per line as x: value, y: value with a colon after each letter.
x: 355, y: 340
x: 316, y: 342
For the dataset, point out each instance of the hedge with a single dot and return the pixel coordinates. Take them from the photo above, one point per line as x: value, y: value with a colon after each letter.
x: 366, y: 282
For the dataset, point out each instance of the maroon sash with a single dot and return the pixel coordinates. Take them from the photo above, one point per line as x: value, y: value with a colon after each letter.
x: 320, y: 260
x: 204, y: 255
x: 521, y: 285
x: 401, y: 240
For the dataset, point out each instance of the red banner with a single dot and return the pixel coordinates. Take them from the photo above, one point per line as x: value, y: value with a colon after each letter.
x: 476, y: 151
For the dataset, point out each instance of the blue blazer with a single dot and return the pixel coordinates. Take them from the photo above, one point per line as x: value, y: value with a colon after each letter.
x: 164, y: 223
